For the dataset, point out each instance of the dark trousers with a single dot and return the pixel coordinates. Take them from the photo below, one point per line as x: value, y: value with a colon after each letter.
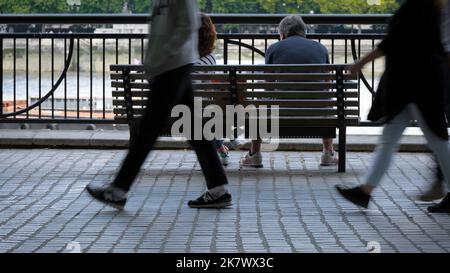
x: 168, y: 89
x: 447, y: 95
x: 439, y: 175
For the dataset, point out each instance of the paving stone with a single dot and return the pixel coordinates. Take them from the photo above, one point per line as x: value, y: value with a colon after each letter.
x: 289, y: 206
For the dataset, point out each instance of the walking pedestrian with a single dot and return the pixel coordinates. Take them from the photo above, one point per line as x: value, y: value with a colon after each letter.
x: 172, y: 50
x: 412, y: 88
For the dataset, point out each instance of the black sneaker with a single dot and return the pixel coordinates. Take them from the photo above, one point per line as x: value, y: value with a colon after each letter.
x: 354, y: 195
x: 443, y: 207
x: 207, y: 201
x: 435, y: 192
x: 108, y: 195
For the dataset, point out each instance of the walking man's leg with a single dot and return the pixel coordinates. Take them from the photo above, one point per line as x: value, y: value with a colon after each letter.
x: 392, y: 133
x: 167, y: 91
x: 217, y: 195
x: 164, y: 95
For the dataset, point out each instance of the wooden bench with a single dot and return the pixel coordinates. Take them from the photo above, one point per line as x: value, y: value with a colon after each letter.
x: 313, y: 100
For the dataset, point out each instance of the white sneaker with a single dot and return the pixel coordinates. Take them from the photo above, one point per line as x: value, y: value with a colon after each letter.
x: 329, y: 159
x: 238, y: 143
x: 253, y: 161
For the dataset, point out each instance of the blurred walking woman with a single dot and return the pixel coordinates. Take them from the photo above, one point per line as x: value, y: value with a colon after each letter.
x: 411, y: 88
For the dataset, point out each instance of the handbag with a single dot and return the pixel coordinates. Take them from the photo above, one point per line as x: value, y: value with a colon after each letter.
x: 377, y: 112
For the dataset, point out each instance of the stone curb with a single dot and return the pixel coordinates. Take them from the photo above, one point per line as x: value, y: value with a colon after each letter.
x: 117, y: 139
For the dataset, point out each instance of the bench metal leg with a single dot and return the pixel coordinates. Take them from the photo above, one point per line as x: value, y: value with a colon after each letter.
x: 342, y: 149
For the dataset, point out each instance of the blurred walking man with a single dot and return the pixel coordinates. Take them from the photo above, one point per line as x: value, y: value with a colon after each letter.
x: 172, y: 49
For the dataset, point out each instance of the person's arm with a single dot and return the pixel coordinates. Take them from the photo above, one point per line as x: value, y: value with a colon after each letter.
x: 402, y: 30
x: 268, y: 59
x: 359, y: 65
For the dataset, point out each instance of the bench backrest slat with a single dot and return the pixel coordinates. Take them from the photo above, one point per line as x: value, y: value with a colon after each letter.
x: 307, y: 95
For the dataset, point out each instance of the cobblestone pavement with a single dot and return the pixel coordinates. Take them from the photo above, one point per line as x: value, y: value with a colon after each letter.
x: 289, y: 206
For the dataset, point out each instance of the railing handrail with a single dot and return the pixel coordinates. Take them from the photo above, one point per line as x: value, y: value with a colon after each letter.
x: 360, y: 19
x: 345, y: 48
x: 220, y: 35
x: 245, y: 66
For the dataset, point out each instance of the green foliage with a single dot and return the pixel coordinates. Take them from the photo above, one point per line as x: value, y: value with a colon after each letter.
x: 215, y: 6
x: 301, y: 6
x: 357, y: 6
x: 287, y: 6
x: 32, y: 6
x: 232, y: 6
x: 140, y: 6
x: 101, y: 6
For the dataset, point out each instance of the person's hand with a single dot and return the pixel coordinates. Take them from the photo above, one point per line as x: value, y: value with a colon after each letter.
x: 370, y: 57
x: 441, y: 3
x: 356, y: 67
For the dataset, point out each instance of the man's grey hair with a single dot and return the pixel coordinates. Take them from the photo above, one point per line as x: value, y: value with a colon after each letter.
x: 292, y: 25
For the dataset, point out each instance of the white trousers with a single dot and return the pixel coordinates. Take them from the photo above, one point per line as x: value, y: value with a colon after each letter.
x: 389, y: 144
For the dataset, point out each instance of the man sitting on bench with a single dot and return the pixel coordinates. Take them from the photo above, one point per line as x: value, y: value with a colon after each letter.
x: 294, y: 48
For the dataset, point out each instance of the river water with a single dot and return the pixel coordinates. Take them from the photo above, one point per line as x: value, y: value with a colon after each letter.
x: 101, y: 92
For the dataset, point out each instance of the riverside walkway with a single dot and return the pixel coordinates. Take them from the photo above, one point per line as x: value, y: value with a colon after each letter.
x: 289, y: 206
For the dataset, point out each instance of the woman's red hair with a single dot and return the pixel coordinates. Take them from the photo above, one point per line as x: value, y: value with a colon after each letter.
x: 207, y: 36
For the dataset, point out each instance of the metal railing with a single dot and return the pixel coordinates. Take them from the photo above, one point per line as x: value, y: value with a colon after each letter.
x: 64, y: 78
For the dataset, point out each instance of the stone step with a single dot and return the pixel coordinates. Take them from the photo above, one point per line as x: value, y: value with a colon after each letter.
x: 112, y: 139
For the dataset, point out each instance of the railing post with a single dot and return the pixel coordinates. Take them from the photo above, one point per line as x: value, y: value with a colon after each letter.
x: 341, y: 119
x: 234, y: 97
x: 225, y: 51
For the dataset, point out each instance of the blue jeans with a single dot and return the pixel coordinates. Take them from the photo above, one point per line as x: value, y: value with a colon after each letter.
x: 217, y: 143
